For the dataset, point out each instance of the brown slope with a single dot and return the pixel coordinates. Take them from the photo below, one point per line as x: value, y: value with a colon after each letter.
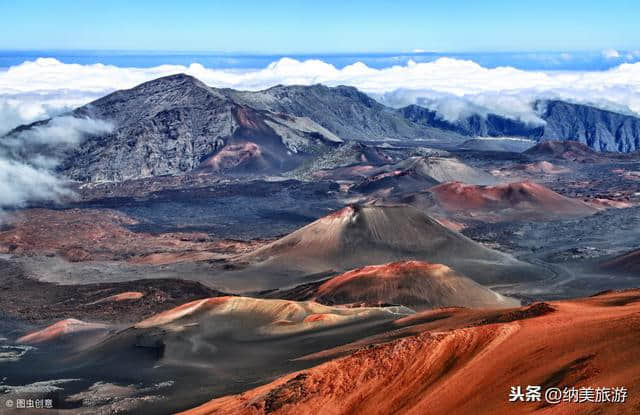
x: 361, y: 235
x: 570, y: 150
x: 583, y: 343
x: 414, y: 284
x: 563, y: 150
x: 508, y: 201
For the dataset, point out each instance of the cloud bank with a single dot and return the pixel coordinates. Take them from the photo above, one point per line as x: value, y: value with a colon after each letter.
x: 37, y: 89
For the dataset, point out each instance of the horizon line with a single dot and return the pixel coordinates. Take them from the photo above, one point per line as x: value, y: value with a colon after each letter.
x: 416, y: 51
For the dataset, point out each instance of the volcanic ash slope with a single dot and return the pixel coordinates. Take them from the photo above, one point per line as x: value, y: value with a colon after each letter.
x: 229, y: 334
x: 357, y: 236
x: 447, y: 169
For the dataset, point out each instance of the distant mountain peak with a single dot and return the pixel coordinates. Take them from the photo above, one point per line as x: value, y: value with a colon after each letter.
x: 180, y: 80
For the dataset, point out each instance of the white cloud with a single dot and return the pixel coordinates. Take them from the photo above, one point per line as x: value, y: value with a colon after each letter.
x: 452, y: 107
x: 60, y: 131
x: 24, y: 108
x: 21, y: 183
x: 611, y: 54
x: 28, y: 159
x: 632, y: 55
x: 505, y: 90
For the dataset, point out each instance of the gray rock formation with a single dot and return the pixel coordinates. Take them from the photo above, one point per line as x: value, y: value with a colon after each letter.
x: 599, y: 129
x: 345, y: 111
x: 177, y: 124
x: 474, y: 126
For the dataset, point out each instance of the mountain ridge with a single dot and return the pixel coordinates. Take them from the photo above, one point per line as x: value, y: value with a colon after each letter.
x: 177, y: 124
x: 600, y: 129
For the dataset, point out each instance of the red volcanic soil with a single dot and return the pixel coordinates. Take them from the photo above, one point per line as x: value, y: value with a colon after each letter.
x: 129, y: 295
x: 233, y: 155
x: 509, y: 201
x: 454, y: 226
x: 191, y: 309
x: 449, y: 369
x: 570, y: 150
x: 602, y: 203
x: 102, y: 234
x: 414, y: 284
x: 59, y: 330
x: 163, y: 258
x: 628, y: 263
x: 542, y: 167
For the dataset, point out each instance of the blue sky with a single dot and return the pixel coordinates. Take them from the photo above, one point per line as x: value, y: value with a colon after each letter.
x: 320, y: 26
